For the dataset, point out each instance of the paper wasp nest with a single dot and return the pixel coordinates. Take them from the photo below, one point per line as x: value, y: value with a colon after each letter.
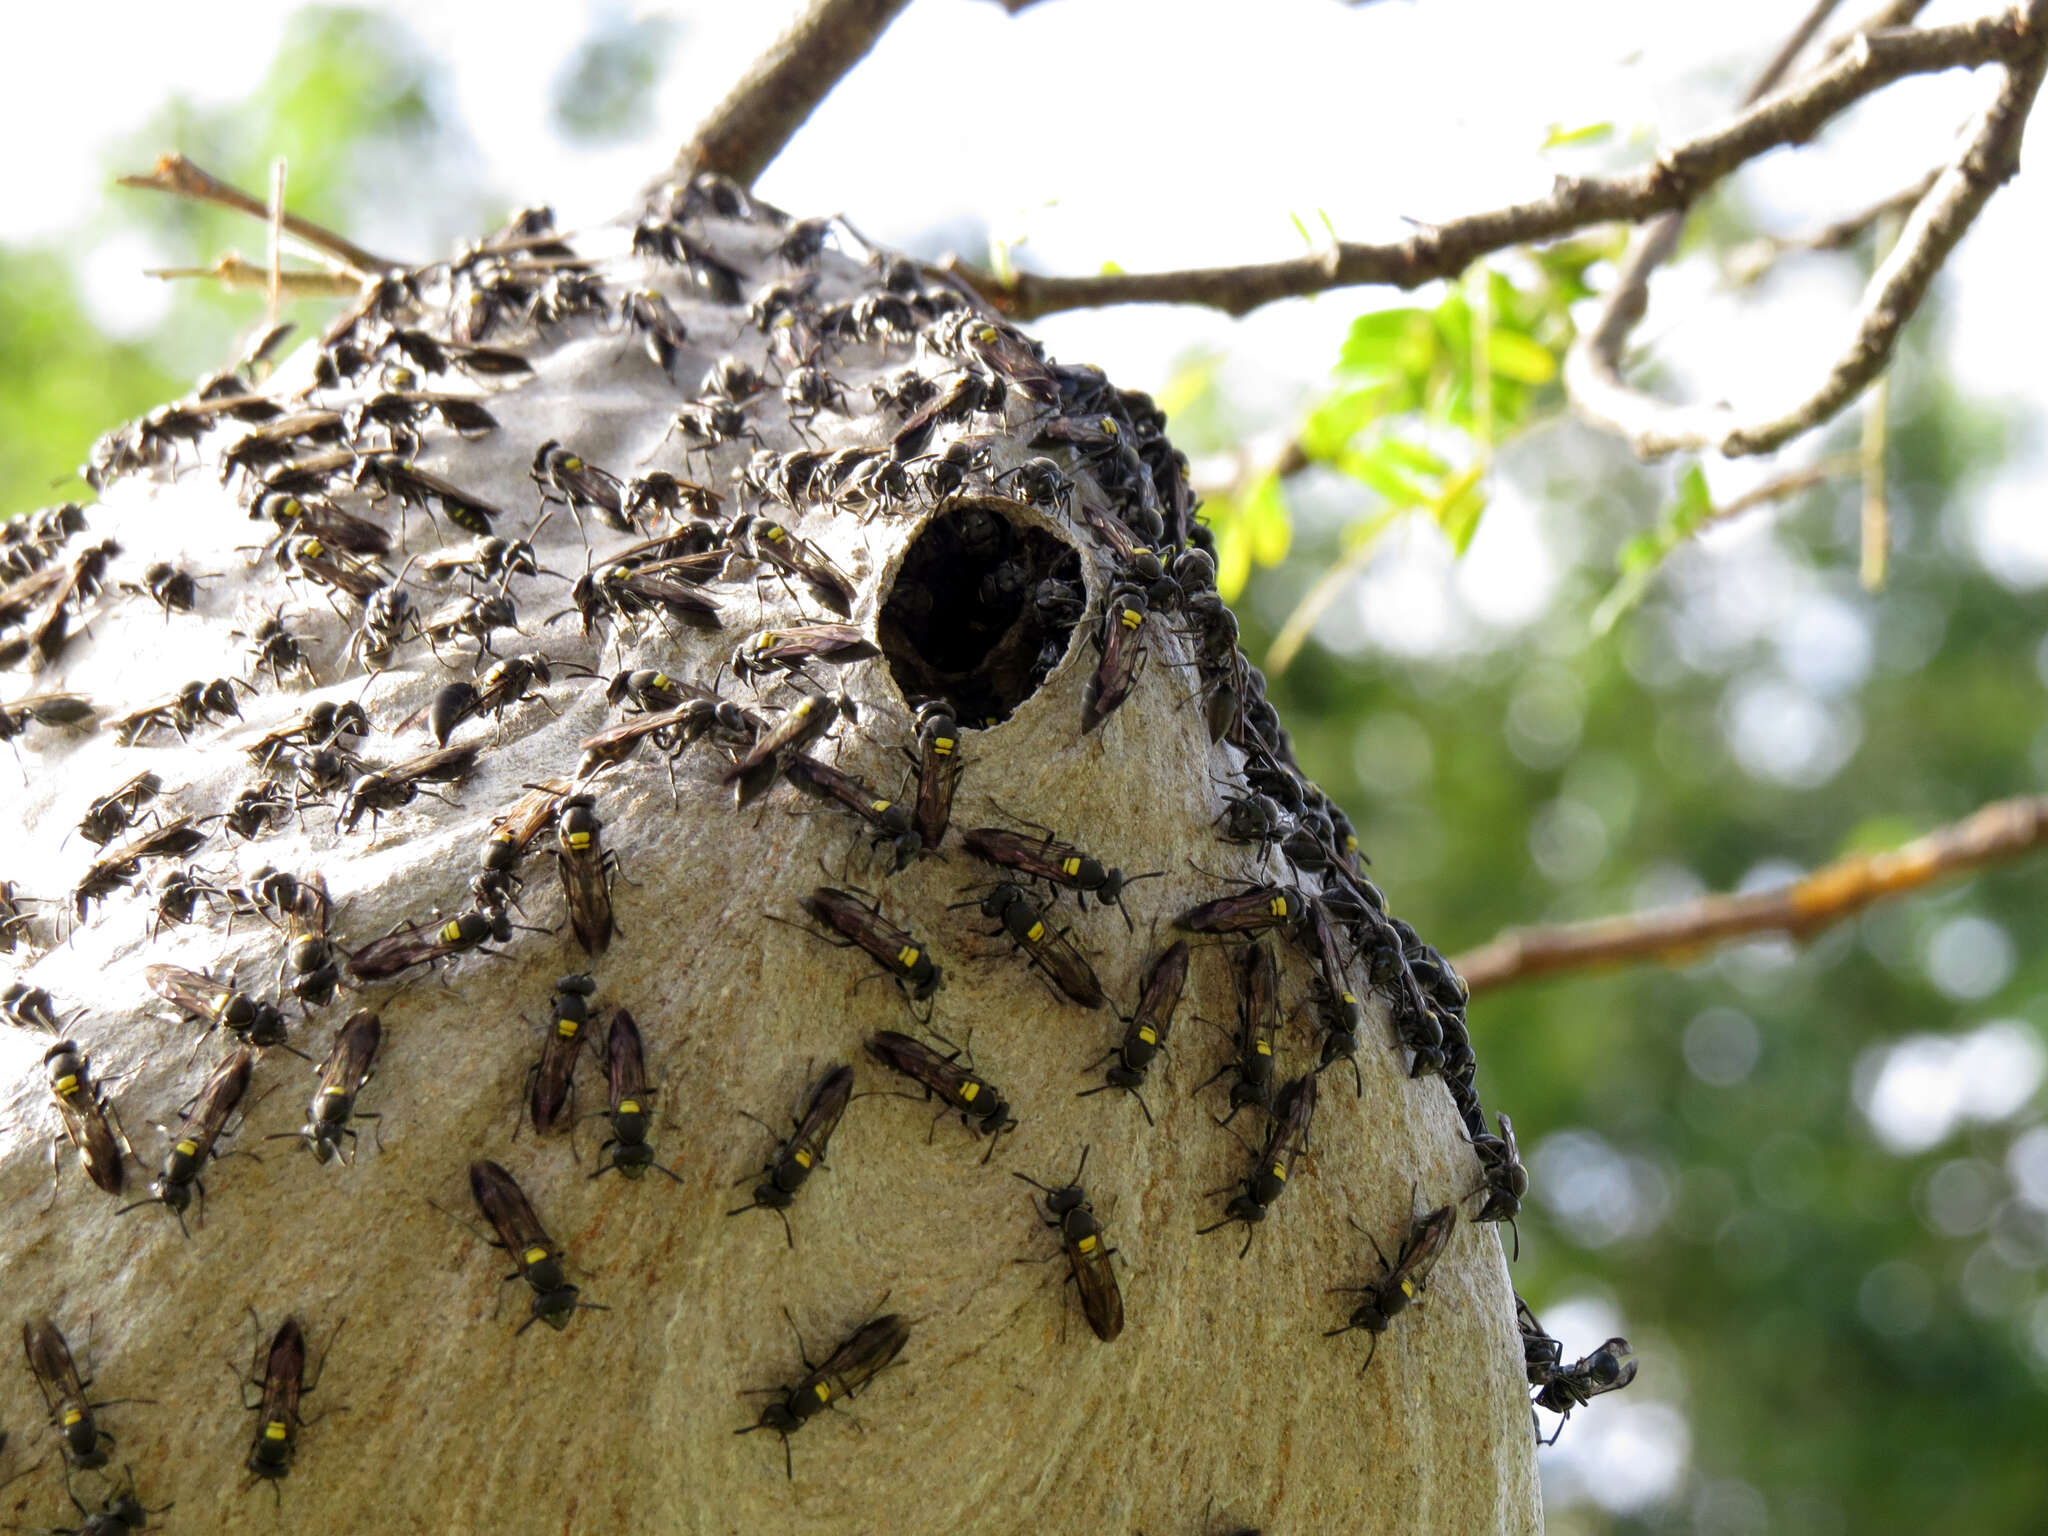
x: 599, y: 625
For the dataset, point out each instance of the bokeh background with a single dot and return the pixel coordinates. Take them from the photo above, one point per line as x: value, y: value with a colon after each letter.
x: 1810, y: 1185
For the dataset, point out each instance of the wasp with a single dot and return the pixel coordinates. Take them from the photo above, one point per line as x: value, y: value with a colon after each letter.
x: 805, y: 723
x: 413, y: 486
x: 626, y: 591
x: 171, y: 589
x: 89, y: 1120
x: 257, y: 809
x: 1608, y: 1369
x: 342, y: 1076
x: 774, y: 545
x: 660, y: 328
x: 489, y: 559
x: 1146, y: 1030
x: 1250, y: 911
x: 119, y: 1515
x: 191, y: 706
x: 321, y: 725
x: 277, y: 650
x: 331, y: 568
x: 510, y: 681
x: 671, y: 730
x: 213, y: 1106
x: 14, y: 922
x: 391, y: 788
x: 788, y: 650
x: 309, y: 953
x: 809, y: 391
x: 982, y: 1109
x: 1506, y: 1183
x: 658, y: 490
x: 865, y: 1354
x: 1401, y: 1282
x: 111, y: 814
x: 178, y: 895
x: 710, y: 423
x: 513, y: 831
x: 626, y: 1071
x: 968, y: 394
x: 588, y: 870
x: 1039, y: 483
x: 316, y: 519
x: 551, y: 1082
x: 792, y: 1161
x: 937, y: 761
x: 63, y: 590
x: 1285, y: 1139
x: 1258, y: 1021
x: 279, y: 1375
x: 29, y: 1006
x: 510, y: 1214
x: 476, y: 617
x: 220, y: 1005
x: 1122, y: 656
x: 1059, y: 863
x: 424, y: 943
x: 1068, y: 1212
x: 889, y: 819
x: 1049, y: 949
x: 50, y: 1362
x: 119, y: 865
x: 579, y: 485
x: 863, y: 927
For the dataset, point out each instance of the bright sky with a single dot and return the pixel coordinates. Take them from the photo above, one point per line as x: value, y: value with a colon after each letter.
x: 1181, y: 132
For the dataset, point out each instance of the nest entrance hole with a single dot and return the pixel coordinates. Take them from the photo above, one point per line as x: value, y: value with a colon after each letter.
x: 982, y: 609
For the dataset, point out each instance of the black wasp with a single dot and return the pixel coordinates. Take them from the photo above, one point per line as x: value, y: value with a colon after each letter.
x: 279, y: 1375
x: 1123, y: 654
x: 1062, y: 864
x: 309, y: 953
x: 513, y: 832
x: 588, y: 870
x: 505, y: 1206
x: 981, y: 1108
x: 1146, y: 1030
x: 1608, y: 1369
x: 89, y: 1120
x: 1258, y: 1021
x: 791, y: 1164
x: 863, y: 927
x: 390, y: 788
x: 1068, y: 1212
x: 424, y: 943
x: 626, y: 1069
x: 804, y: 723
x: 551, y: 1081
x: 774, y: 545
x: 111, y: 814
x: 788, y: 650
x: 1506, y: 1183
x: 1049, y: 948
x: 71, y: 1415
x: 119, y: 1515
x: 890, y: 819
x: 1400, y: 1283
x: 220, y: 1005
x: 937, y: 761
x: 865, y: 1354
x: 212, y: 1107
x: 1286, y: 1139
x: 1260, y: 907
x: 510, y: 681
x: 342, y: 1076
x: 579, y: 485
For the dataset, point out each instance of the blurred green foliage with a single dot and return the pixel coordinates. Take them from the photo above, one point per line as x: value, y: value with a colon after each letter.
x: 1853, y: 1348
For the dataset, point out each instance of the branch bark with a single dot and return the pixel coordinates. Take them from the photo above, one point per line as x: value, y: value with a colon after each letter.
x: 1995, y: 834
x: 1678, y: 177
x: 762, y: 113
x: 175, y: 174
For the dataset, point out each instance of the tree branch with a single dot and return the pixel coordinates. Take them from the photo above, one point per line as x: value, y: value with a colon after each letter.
x: 1998, y: 832
x: 1990, y: 159
x: 762, y: 113
x: 177, y: 175
x: 1679, y: 176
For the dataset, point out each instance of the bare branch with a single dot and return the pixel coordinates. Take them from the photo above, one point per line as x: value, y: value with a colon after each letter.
x: 1753, y: 259
x: 1938, y: 222
x: 761, y: 114
x: 177, y: 175
x: 239, y: 272
x: 1679, y: 176
x: 1999, y: 832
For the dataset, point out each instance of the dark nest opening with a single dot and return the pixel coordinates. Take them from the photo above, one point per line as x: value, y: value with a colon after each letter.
x: 982, y: 609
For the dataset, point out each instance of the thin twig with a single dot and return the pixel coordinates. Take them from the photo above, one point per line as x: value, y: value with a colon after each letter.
x: 276, y: 283
x: 1679, y: 176
x: 1999, y: 832
x: 1780, y: 488
x: 1876, y: 512
x: 1753, y: 259
x: 175, y: 174
x: 773, y: 99
x: 239, y: 272
x: 1990, y: 159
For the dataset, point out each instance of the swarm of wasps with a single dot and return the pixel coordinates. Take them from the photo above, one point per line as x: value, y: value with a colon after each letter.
x: 981, y: 432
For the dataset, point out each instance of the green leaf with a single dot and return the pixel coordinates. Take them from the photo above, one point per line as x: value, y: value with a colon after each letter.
x: 1412, y: 456
x: 1561, y: 137
x: 1396, y: 341
x: 1524, y: 359
x: 1624, y: 595
x: 1695, y: 504
x: 1333, y: 424
x: 1300, y: 229
x: 1267, y: 525
x: 1458, y: 509
x: 1375, y: 472
x: 1112, y: 269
